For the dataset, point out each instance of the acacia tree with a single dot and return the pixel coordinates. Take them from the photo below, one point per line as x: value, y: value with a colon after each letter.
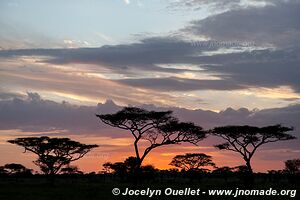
x: 53, y: 153
x: 292, y: 166
x: 245, y: 140
x: 126, y: 167
x: 158, y: 128
x: 14, y: 168
x: 107, y: 168
x: 192, y: 161
x: 71, y: 170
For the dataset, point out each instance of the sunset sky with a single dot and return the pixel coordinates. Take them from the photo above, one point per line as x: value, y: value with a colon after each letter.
x: 212, y: 62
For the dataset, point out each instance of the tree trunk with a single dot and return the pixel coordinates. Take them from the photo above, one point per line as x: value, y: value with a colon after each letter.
x: 248, y: 164
x: 51, y: 177
x: 250, y: 176
x: 136, y: 149
x: 137, y: 172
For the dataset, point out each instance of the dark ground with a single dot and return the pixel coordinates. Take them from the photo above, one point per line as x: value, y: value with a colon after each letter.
x: 98, y: 187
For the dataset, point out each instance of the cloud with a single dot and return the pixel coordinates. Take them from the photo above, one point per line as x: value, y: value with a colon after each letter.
x: 275, y: 24
x: 34, y: 114
x: 262, y: 68
x: 218, y: 6
x: 181, y: 84
x: 256, y: 68
x: 9, y: 95
x: 152, y: 63
x: 78, y: 84
x: 197, y: 4
x: 126, y: 1
x: 143, y: 55
x: 33, y: 111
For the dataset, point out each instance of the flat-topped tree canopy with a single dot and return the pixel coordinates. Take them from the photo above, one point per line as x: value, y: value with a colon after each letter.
x: 177, y: 132
x: 192, y: 161
x: 15, y: 168
x: 136, y: 119
x: 53, y: 153
x: 158, y: 127
x: 246, y: 139
x: 275, y: 133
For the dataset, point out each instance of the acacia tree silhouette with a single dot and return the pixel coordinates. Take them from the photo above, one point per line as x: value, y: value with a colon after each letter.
x: 71, y: 170
x: 53, y: 153
x: 158, y: 128
x: 127, y: 166
x: 292, y: 166
x: 245, y: 140
x: 14, y: 168
x: 192, y: 161
x: 127, y: 170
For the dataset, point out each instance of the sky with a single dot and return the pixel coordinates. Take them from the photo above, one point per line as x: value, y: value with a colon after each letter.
x: 212, y: 62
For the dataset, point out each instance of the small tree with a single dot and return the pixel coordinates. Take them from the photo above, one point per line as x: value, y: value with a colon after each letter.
x: 53, y: 153
x: 292, y: 166
x: 158, y: 128
x: 71, y: 170
x: 3, y: 171
x: 14, y: 168
x: 127, y: 169
x: 127, y: 166
x: 245, y: 140
x: 192, y: 161
x: 223, y: 170
x: 241, y: 169
x: 107, y: 168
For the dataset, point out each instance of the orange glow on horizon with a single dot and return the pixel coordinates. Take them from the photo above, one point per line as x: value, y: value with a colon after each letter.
x: 162, y: 162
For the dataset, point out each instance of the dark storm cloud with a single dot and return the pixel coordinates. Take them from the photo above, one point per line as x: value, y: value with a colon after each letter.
x: 276, y: 24
x: 181, y: 84
x: 273, y: 24
x: 9, y: 95
x: 257, y: 68
x: 261, y: 68
x: 33, y: 111
x: 38, y: 115
x: 122, y: 58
